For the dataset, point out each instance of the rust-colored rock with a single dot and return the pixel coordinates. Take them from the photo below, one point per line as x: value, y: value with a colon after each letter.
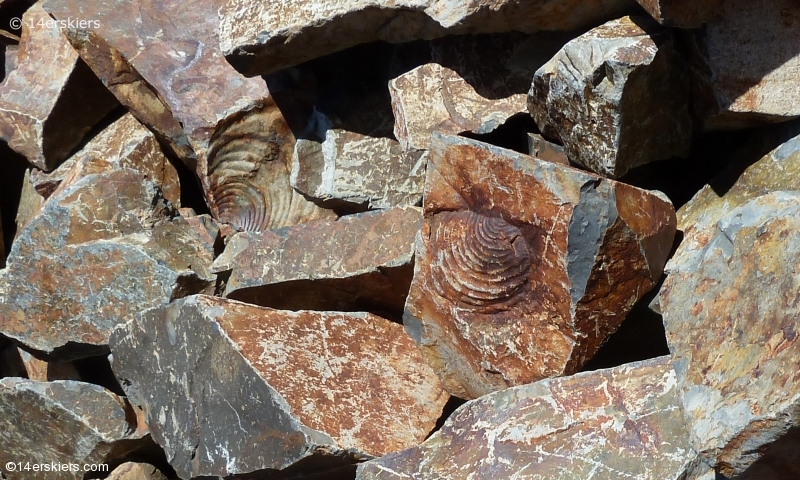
x: 540, y: 148
x: 233, y: 388
x: 616, y: 97
x: 681, y: 13
x: 624, y: 422
x: 730, y: 308
x: 50, y: 101
x: 43, y: 371
x: 524, y: 266
x: 136, y: 471
x: 359, y: 263
x: 61, y: 422
x: 99, y: 251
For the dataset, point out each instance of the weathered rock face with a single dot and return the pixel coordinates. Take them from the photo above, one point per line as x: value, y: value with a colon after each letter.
x: 742, y: 75
x: 136, y: 471
x: 359, y: 263
x: 472, y: 84
x: 681, y: 13
x: 173, y: 78
x: 99, y: 251
x: 616, y: 97
x: 61, y: 422
x: 50, y: 101
x: 593, y: 425
x: 259, y: 38
x: 730, y: 307
x: 523, y: 266
x: 304, y: 386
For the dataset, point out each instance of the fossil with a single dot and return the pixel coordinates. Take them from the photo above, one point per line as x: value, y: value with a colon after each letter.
x: 482, y: 262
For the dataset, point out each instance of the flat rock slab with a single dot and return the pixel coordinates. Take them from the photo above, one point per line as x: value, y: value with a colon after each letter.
x: 50, y: 100
x: 359, y: 263
x: 616, y: 97
x: 624, y: 422
x: 730, y: 308
x: 260, y: 37
x: 746, y: 65
x: 61, y: 422
x: 99, y: 251
x: 240, y: 388
x: 524, y: 266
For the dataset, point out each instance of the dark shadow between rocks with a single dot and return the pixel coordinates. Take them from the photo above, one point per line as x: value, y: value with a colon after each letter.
x: 511, y: 135
x: 14, y: 166
x: 451, y: 406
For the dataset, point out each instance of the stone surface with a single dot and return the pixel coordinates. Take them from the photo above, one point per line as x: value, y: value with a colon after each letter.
x: 746, y: 65
x: 136, y: 471
x: 523, y: 266
x: 43, y: 371
x: 473, y: 84
x: 173, y: 78
x: 624, y: 422
x: 540, y: 148
x: 616, y: 97
x: 360, y: 262
x: 30, y: 201
x: 730, y: 308
x: 99, y: 251
x: 243, y: 388
x: 61, y: 422
x: 259, y: 38
x: 50, y: 101
x: 681, y: 13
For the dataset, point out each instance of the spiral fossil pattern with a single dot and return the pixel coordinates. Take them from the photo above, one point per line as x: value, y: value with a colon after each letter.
x: 248, y: 173
x: 480, y: 262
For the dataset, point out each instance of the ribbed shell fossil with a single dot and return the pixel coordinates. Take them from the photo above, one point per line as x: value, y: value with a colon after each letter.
x: 248, y: 173
x: 480, y: 262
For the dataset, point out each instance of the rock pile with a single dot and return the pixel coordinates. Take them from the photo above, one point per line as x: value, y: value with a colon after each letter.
x: 410, y: 239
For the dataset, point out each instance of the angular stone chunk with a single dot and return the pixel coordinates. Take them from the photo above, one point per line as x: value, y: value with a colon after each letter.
x: 101, y: 250
x: 540, y: 148
x: 43, y: 371
x: 50, y: 101
x: 136, y: 471
x: 358, y: 169
x: 681, y: 13
x: 730, y: 308
x: 242, y: 388
x: 260, y: 37
x: 524, y: 266
x: 360, y: 262
x: 746, y: 65
x: 616, y: 97
x: 624, y: 422
x: 61, y: 422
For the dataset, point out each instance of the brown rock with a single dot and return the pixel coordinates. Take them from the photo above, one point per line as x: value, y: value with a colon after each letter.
x: 173, y: 78
x: 258, y: 38
x: 43, y: 371
x: 616, y: 97
x: 730, y: 308
x: 540, y: 148
x: 359, y: 263
x: 746, y: 65
x: 242, y: 388
x: 523, y: 266
x: 50, y: 101
x: 101, y: 250
x: 601, y: 424
x: 136, y: 471
x: 61, y: 422
x: 681, y: 13
x: 30, y: 201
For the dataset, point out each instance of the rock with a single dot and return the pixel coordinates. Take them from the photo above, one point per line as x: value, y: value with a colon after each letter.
x: 242, y: 388
x: 524, y: 266
x: 30, y: 201
x: 473, y: 84
x: 745, y: 65
x: 359, y: 263
x: 730, y: 308
x: 616, y: 97
x: 681, y: 13
x: 358, y: 169
x: 61, y: 422
x: 50, y: 101
x: 172, y: 77
x: 101, y: 250
x: 540, y: 148
x: 43, y: 371
x: 258, y: 38
x: 598, y: 424
x: 136, y: 471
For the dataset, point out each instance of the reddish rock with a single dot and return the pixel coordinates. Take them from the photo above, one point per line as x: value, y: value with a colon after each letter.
x: 624, y: 422
x: 360, y: 262
x: 240, y: 388
x: 681, y: 13
x: 50, y: 101
x: 540, y: 148
x: 43, y: 371
x: 524, y: 266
